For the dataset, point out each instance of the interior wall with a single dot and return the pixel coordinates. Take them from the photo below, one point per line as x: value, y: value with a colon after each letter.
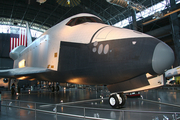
x: 5, y: 61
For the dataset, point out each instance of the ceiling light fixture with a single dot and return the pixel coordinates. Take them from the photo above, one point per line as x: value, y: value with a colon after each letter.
x: 68, y: 3
x: 41, y: 1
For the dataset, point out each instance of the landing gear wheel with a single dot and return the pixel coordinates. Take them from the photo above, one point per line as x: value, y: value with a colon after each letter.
x: 117, y: 100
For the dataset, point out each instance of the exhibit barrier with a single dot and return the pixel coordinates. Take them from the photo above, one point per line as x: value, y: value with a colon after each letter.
x: 67, y: 110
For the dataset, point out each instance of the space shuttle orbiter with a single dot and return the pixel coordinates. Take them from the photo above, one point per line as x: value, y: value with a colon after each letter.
x: 83, y: 50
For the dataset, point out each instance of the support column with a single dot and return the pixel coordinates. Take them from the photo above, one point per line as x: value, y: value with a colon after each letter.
x: 134, y: 23
x: 175, y: 31
x: 9, y: 84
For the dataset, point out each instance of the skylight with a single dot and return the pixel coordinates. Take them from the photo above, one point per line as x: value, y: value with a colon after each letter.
x: 145, y: 13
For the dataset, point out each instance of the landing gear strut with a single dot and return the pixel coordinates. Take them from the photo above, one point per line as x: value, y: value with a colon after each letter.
x: 117, y: 100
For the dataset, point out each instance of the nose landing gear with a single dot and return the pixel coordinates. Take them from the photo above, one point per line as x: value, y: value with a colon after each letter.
x: 117, y: 100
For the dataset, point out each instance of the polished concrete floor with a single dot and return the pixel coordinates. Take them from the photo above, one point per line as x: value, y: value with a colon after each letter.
x: 72, y: 104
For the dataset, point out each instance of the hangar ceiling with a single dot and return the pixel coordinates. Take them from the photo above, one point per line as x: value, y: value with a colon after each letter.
x: 45, y: 15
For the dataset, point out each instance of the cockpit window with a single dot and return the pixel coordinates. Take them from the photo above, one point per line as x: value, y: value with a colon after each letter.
x: 80, y: 20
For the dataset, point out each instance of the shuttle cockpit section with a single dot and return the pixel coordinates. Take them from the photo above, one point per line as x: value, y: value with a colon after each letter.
x: 80, y: 20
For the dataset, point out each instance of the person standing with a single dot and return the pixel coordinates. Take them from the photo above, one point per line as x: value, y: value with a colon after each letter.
x: 13, y: 89
x: 57, y: 88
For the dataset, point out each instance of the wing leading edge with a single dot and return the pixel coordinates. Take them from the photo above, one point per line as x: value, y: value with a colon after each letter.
x: 26, y: 71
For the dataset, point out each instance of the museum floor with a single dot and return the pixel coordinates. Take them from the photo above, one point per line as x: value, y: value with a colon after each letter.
x: 72, y: 104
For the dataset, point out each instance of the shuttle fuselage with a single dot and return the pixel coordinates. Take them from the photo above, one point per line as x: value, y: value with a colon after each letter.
x: 94, y: 53
x: 83, y: 50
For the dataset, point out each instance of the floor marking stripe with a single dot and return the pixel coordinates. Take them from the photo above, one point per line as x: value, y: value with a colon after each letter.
x: 80, y: 116
x: 160, y: 102
x: 82, y: 101
x: 74, y: 102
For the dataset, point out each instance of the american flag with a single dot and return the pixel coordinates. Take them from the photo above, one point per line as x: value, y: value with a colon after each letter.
x: 17, y: 37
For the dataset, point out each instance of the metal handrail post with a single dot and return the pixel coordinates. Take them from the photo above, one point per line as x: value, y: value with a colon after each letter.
x: 35, y: 110
x: 175, y: 116
x: 19, y: 104
x: 56, y: 111
x: 19, y: 108
x: 123, y: 115
x: 84, y: 114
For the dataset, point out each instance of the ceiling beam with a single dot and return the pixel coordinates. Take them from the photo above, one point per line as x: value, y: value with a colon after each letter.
x: 35, y: 17
x: 101, y: 8
x: 64, y: 15
x: 24, y: 14
x: 50, y: 15
x: 12, y: 10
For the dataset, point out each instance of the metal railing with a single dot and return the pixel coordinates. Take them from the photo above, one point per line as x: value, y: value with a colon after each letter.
x: 64, y: 109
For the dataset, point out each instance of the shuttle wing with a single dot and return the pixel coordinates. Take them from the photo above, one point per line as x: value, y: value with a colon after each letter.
x: 26, y: 71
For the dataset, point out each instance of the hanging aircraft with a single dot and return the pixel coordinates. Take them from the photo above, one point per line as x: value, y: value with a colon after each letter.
x: 83, y: 50
x: 172, y: 72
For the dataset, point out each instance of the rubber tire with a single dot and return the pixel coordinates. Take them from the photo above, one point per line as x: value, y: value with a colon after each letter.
x: 114, y: 101
x: 123, y: 99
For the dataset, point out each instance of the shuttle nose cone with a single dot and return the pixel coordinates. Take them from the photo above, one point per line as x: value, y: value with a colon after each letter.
x: 163, y: 58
